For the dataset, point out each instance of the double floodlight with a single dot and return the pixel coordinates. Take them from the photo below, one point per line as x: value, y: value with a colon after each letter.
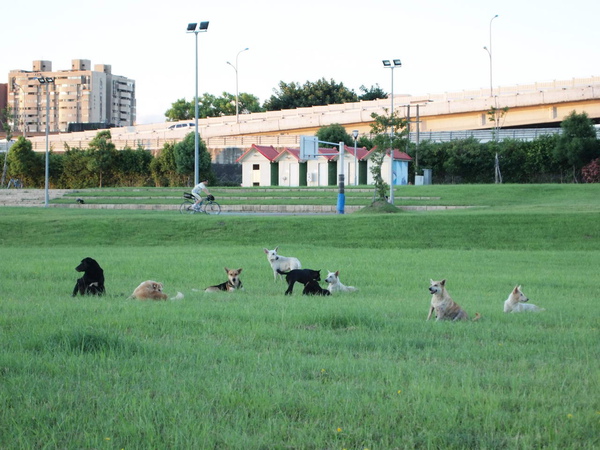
x: 44, y: 80
x: 388, y: 63
x: 202, y: 26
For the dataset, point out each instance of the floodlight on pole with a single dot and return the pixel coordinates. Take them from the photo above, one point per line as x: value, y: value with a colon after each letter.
x: 237, y: 111
x: 196, y: 28
x: 47, y: 81
x: 387, y: 64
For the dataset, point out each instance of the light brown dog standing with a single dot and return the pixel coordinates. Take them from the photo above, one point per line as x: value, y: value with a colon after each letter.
x: 445, y: 308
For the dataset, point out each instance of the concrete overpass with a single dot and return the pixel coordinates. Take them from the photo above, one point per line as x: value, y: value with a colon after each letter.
x: 533, y: 105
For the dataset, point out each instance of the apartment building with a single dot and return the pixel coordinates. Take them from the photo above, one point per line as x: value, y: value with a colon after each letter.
x: 79, y: 96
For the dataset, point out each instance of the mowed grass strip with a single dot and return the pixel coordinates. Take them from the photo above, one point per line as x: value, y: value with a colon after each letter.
x: 257, y: 369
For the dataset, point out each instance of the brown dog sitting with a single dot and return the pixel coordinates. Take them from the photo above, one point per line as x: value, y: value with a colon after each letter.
x: 152, y: 290
x: 445, y: 308
x: 233, y: 282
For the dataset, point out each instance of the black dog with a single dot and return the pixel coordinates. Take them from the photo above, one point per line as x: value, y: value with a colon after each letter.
x: 314, y: 288
x: 301, y: 276
x: 92, y: 281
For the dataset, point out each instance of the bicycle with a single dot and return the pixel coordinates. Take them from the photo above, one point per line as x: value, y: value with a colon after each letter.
x: 206, y: 206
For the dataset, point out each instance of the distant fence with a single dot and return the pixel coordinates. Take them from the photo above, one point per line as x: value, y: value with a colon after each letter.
x: 282, y: 141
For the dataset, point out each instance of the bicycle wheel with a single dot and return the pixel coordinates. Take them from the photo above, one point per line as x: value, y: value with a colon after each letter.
x: 187, y: 207
x: 212, y: 208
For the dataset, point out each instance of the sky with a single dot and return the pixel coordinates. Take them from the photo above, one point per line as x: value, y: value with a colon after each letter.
x: 439, y: 42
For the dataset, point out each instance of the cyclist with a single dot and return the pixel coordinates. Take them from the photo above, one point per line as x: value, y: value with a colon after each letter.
x: 196, y: 193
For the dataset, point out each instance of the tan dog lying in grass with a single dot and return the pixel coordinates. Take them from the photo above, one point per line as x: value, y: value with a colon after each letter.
x: 516, y: 302
x: 152, y: 290
x: 233, y: 282
x: 445, y: 308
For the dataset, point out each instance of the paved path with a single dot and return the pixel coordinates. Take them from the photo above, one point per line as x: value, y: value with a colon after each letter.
x: 36, y: 197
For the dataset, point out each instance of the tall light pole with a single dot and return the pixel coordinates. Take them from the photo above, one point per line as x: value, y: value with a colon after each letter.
x: 237, y: 111
x: 392, y: 65
x: 355, y: 136
x: 489, y: 50
x: 47, y: 81
x: 196, y: 28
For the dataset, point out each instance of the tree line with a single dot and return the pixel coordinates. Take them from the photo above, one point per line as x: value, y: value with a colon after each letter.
x: 286, y: 96
x: 572, y: 156
x: 103, y: 165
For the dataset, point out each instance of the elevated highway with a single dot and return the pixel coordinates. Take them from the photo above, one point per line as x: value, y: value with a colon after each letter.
x: 536, y: 105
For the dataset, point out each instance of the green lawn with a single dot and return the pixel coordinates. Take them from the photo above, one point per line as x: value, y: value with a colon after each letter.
x: 257, y: 369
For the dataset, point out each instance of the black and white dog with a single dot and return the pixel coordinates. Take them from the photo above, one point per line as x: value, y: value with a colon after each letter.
x: 92, y: 281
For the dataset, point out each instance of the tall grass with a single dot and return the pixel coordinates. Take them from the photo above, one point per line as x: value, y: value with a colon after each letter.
x: 257, y: 369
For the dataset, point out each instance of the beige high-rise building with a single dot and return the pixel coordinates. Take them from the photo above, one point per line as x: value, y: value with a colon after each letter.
x: 78, y: 96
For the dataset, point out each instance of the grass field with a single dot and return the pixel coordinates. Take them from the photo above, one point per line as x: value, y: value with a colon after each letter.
x: 259, y: 370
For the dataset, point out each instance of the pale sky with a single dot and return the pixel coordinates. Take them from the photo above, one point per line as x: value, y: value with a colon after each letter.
x: 439, y: 42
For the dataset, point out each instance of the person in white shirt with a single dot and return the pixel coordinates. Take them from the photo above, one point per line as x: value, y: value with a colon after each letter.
x: 196, y: 192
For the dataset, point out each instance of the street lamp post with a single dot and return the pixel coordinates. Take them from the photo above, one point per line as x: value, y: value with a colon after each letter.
x: 496, y: 128
x: 489, y: 50
x: 392, y: 65
x: 47, y: 81
x: 196, y: 28
x: 355, y: 136
x: 237, y: 111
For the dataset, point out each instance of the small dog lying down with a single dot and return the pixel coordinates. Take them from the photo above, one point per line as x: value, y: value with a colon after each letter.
x: 314, y: 288
x: 445, y: 308
x: 92, y: 281
x: 279, y: 262
x: 152, y: 290
x: 301, y: 276
x: 516, y: 302
x: 233, y: 282
x: 335, y: 285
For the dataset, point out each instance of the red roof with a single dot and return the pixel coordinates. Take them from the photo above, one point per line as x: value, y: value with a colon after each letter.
x: 398, y: 155
x: 295, y: 152
x: 268, y: 152
x: 361, y: 152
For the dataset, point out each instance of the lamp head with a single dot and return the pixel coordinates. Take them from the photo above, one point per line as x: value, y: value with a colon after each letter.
x: 386, y: 63
x: 355, y: 134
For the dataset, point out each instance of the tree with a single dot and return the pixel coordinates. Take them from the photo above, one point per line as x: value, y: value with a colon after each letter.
x: 383, y: 141
x: 102, y: 153
x: 75, y: 171
x: 6, y: 118
x: 577, y: 144
x: 184, y: 152
x: 24, y: 163
x: 591, y: 171
x: 334, y: 133
x: 180, y: 110
x: 321, y: 92
x: 373, y: 93
x: 132, y: 167
x: 212, y: 106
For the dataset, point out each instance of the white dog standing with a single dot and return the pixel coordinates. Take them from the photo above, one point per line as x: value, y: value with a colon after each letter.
x: 282, y: 263
x: 516, y: 302
x: 335, y: 285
